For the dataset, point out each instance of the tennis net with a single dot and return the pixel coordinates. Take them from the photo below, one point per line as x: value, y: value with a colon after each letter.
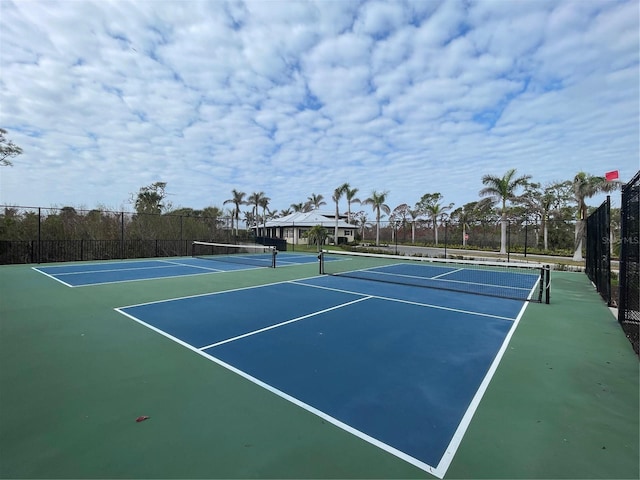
x: 258, y: 255
x: 521, y: 281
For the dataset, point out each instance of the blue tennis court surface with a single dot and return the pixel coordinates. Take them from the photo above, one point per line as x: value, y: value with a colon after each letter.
x: 401, y: 367
x: 78, y: 275
x: 84, y: 274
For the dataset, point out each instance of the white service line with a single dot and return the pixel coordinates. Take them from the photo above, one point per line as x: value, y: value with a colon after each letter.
x: 319, y: 312
x: 420, y: 304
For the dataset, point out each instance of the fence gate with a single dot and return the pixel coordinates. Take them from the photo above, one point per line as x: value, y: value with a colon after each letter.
x: 598, y: 259
x: 628, y: 308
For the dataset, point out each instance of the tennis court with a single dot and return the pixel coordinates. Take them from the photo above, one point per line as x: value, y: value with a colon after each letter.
x: 283, y: 372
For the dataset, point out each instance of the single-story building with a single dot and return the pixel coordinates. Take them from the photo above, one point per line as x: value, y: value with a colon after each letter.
x: 293, y: 227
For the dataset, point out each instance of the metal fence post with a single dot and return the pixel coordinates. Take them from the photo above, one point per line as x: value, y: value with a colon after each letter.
x: 122, y: 249
x: 508, y: 240
x: 446, y: 228
x: 39, y: 235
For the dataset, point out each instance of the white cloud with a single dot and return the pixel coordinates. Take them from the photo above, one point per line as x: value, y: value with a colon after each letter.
x: 293, y: 98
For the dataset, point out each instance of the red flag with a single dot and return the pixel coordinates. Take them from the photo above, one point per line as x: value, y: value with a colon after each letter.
x: 609, y: 176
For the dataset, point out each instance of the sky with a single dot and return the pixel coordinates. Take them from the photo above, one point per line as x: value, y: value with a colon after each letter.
x: 294, y: 98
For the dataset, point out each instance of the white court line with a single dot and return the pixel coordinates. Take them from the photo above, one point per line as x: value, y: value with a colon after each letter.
x: 287, y: 263
x: 193, y: 266
x: 117, y: 261
x: 404, y: 275
x: 51, y: 276
x: 218, y: 293
x: 114, y: 282
x: 299, y: 255
x: 113, y: 270
x: 297, y: 319
x: 420, y: 304
x: 348, y: 428
x: 448, y: 273
x: 440, y: 470
x: 450, y: 452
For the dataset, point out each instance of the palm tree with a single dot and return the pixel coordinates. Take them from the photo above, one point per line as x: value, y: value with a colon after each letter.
x: 314, y: 201
x: 249, y: 219
x: 316, y: 234
x: 230, y: 213
x: 430, y: 205
x: 297, y: 207
x: 361, y: 221
x: 502, y: 189
x: 376, y: 200
x: 284, y: 212
x: 337, y: 194
x: 237, y: 200
x: 254, y: 200
x: 435, y: 211
x: 542, y: 202
x: 414, y: 214
x: 350, y: 194
x: 264, y: 202
x: 150, y: 198
x: 586, y: 186
x: 464, y: 215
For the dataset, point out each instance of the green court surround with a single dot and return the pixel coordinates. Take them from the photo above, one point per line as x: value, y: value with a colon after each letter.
x: 75, y: 375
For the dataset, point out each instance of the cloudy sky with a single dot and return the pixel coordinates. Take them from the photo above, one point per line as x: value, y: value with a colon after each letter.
x: 297, y: 97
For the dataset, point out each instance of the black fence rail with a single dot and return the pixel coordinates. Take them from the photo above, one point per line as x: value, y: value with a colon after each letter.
x: 522, y: 235
x: 39, y: 235
x: 629, y: 303
x: 598, y: 257
x: 47, y: 251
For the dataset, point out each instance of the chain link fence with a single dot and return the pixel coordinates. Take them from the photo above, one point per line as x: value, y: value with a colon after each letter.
x: 520, y: 235
x: 39, y: 235
x: 629, y: 288
x: 598, y: 258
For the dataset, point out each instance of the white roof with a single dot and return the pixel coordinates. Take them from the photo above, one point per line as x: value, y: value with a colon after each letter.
x: 309, y: 219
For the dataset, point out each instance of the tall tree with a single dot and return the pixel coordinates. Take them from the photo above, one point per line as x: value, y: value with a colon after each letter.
x: 210, y: 212
x: 8, y: 149
x: 249, y: 219
x: 264, y: 203
x: 543, y: 202
x: 400, y: 215
x: 315, y: 201
x: 465, y: 215
x: 414, y: 213
x: 297, y: 207
x: 337, y: 194
x: 361, y: 221
x: 254, y: 200
x: 431, y: 206
x: 150, y: 198
x: 376, y: 200
x: 350, y: 194
x: 501, y: 190
x: 586, y: 186
x: 316, y: 235
x: 237, y: 199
